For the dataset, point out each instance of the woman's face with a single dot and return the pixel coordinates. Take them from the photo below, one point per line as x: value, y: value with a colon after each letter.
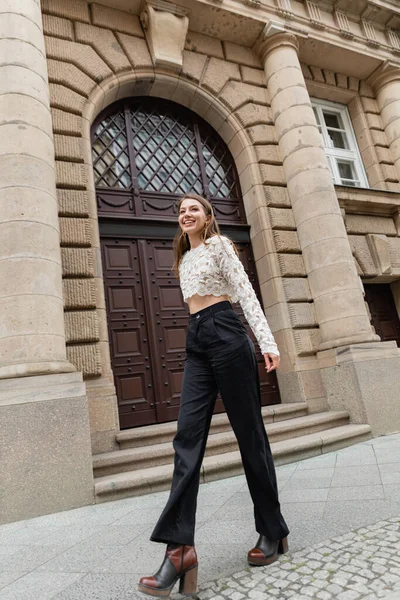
x: 192, y: 217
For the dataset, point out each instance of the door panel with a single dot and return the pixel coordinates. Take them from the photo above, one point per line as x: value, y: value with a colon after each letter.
x: 128, y: 332
x: 169, y: 317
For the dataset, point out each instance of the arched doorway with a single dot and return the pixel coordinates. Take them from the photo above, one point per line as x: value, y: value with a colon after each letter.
x: 146, y: 154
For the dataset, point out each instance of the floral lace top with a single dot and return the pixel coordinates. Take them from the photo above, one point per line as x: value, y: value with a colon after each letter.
x: 213, y: 268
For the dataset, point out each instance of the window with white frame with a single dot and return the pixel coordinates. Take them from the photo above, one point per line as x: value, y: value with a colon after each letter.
x: 339, y: 143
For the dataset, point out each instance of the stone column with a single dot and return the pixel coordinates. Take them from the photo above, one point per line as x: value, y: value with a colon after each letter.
x: 385, y: 81
x: 32, y: 338
x: 45, y: 448
x: 329, y: 263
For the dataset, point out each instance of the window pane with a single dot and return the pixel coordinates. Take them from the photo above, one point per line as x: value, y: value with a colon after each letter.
x: 333, y: 120
x: 350, y: 182
x: 165, y: 151
x: 346, y: 170
x: 110, y: 153
x: 348, y: 175
x: 338, y: 139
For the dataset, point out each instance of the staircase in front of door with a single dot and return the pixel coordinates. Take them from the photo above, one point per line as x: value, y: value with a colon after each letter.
x: 144, y: 462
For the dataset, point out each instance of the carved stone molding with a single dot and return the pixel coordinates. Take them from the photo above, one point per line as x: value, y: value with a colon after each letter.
x: 370, y: 33
x: 393, y: 37
x: 386, y: 72
x: 343, y: 25
x: 166, y: 27
x: 314, y: 14
x: 380, y: 252
x: 253, y: 3
x: 274, y: 35
x: 284, y: 8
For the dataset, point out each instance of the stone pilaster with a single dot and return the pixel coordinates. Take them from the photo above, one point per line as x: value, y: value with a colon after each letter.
x: 32, y: 339
x: 385, y: 81
x: 45, y: 436
x: 326, y: 251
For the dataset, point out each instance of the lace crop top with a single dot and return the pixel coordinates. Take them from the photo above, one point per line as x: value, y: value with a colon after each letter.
x: 213, y: 268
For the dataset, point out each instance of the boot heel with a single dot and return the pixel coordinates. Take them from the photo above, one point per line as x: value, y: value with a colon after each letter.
x: 188, y: 582
x: 283, y: 546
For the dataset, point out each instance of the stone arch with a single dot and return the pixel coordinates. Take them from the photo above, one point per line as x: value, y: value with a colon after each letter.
x: 220, y: 117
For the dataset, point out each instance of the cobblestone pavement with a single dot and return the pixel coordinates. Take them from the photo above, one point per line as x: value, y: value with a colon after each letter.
x: 360, y: 565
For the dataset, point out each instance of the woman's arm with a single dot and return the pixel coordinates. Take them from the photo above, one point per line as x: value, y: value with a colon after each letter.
x: 243, y: 292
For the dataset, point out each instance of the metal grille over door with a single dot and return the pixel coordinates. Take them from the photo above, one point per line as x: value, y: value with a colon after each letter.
x: 152, y: 152
x: 147, y: 153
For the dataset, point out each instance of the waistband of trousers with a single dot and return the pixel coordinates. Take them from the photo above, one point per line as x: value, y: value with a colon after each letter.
x: 210, y: 310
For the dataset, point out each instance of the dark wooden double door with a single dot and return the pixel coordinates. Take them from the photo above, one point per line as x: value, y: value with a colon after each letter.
x: 384, y: 315
x: 147, y: 323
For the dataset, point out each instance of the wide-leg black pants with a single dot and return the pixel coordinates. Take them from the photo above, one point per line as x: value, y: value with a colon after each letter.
x: 220, y: 356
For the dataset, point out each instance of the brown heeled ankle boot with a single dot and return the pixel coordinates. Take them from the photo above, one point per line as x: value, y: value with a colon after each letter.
x: 180, y: 562
x: 266, y: 552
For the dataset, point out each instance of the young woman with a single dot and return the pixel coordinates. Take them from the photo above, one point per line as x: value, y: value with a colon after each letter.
x: 220, y: 356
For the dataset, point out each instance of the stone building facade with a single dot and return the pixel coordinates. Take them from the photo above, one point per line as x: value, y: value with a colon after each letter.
x: 271, y: 78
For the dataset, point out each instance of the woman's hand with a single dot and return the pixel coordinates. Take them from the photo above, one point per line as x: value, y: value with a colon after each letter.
x: 272, y: 362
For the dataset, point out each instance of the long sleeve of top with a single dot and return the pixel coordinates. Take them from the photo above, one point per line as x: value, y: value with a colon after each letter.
x: 214, y: 268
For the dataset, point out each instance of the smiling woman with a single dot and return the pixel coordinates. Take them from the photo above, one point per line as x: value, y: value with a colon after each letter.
x: 220, y: 357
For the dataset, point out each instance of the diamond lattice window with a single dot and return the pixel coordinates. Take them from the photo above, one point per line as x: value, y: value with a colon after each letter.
x: 161, y: 148
x: 165, y: 152
x: 219, y: 168
x: 110, y: 153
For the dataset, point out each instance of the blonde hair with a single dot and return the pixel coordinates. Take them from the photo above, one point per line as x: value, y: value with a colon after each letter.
x: 181, y: 241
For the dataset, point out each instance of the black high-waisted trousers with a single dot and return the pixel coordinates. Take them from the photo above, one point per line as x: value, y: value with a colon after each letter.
x: 220, y: 356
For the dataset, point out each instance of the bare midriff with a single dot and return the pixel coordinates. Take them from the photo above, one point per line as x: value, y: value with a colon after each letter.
x: 197, y: 302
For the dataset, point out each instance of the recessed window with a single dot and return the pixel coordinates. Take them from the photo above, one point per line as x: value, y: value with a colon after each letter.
x: 340, y: 144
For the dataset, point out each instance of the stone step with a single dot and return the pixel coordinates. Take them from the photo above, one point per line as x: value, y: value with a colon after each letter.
x: 154, y: 479
x: 164, y: 432
x: 132, y: 459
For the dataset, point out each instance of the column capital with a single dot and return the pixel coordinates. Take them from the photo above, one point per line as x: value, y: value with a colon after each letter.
x: 387, y: 72
x: 273, y: 37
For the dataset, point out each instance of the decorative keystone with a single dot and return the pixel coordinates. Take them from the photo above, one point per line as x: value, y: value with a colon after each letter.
x: 166, y: 27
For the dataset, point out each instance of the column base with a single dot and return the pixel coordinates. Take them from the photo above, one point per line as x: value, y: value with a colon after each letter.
x: 349, y: 341
x: 46, y: 459
x: 303, y: 386
x: 8, y: 371
x: 364, y: 380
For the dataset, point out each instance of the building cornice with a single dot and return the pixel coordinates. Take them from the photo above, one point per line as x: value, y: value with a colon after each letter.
x: 369, y: 31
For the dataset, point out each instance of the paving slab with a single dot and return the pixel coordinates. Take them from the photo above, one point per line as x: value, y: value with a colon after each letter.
x: 342, y: 508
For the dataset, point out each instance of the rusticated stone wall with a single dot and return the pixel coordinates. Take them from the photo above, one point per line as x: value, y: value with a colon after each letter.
x: 97, y: 55
x: 86, y: 45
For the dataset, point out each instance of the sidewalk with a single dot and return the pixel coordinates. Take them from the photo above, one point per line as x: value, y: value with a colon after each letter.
x: 99, y: 552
